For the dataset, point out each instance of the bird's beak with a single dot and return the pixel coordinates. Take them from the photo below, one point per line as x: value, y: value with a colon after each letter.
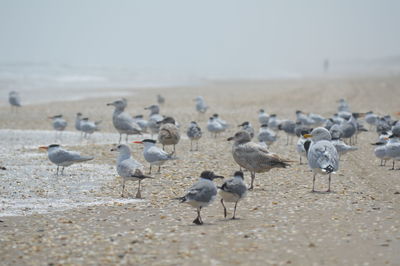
x: 138, y: 142
x: 113, y: 149
x: 218, y: 176
x: 108, y: 104
x: 43, y: 148
x: 307, y: 136
x: 230, y: 138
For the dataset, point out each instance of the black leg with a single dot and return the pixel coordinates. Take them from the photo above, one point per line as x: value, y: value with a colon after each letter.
x: 313, y: 183
x: 234, y: 211
x: 329, y: 187
x: 57, y: 169
x: 138, y: 194
x: 223, y: 205
x: 123, y: 188
x: 253, y: 176
x: 120, y: 137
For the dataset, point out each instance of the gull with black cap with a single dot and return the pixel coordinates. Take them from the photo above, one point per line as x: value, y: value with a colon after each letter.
x: 233, y: 190
x: 62, y: 157
x: 201, y: 194
x: 153, y: 154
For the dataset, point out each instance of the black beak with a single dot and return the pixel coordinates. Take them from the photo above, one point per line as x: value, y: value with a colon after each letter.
x: 108, y: 104
x: 218, y: 176
x: 229, y: 139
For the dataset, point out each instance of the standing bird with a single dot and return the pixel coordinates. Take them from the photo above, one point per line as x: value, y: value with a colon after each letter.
x: 223, y: 123
x: 266, y: 135
x: 154, y: 155
x: 14, y: 100
x: 288, y: 127
x: 168, y: 133
x: 59, y: 124
x: 154, y: 118
x: 300, y: 146
x: 194, y: 134
x: 246, y: 126
x: 322, y: 155
x: 62, y: 157
x: 214, y: 127
x: 393, y: 149
x: 122, y: 121
x: 78, y: 120
x: 160, y: 99
x: 201, y: 105
x: 233, y: 190
x: 273, y: 122
x: 89, y: 127
x: 128, y: 168
x: 263, y: 117
x: 253, y: 157
x: 371, y: 119
x: 201, y: 194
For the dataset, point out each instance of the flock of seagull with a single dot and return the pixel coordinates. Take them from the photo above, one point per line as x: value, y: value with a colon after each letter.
x: 321, y: 141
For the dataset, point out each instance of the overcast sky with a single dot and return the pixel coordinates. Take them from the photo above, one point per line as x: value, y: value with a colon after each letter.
x: 204, y: 36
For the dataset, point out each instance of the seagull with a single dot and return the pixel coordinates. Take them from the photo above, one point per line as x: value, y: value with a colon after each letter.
x: 343, y: 106
x: 233, y: 190
x: 214, y: 127
x: 78, y: 120
x: 160, y: 99
x: 154, y: 155
x: 393, y: 149
x: 266, y: 135
x: 300, y: 146
x: 168, y: 133
x: 14, y: 100
x: 273, y: 122
x: 322, y: 155
x: 380, y: 151
x: 201, y: 105
x: 246, y: 126
x: 143, y: 123
x: 371, y: 118
x: 154, y: 118
x: 122, y: 121
x: 194, y: 134
x: 59, y: 124
x: 201, y: 194
x: 62, y: 157
x: 254, y: 157
x: 288, y: 127
x: 89, y: 127
x: 263, y: 117
x: 304, y: 119
x: 128, y: 168
x: 341, y: 147
x: 223, y: 123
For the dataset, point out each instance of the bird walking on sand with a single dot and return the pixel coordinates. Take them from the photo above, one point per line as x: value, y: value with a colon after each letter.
x: 128, y: 168
x: 89, y: 127
x: 14, y: 100
x: 201, y: 194
x: 154, y: 119
x: 59, y: 124
x: 253, y: 157
x: 62, y: 157
x: 154, y: 155
x: 233, y: 190
x: 122, y: 121
x: 168, y: 133
x: 322, y: 155
x: 194, y: 134
x: 201, y: 105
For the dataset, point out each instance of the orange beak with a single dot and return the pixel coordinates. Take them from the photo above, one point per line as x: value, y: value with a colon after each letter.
x: 43, y: 148
x: 138, y: 142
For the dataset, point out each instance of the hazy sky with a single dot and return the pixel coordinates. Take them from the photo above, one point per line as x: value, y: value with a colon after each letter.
x: 224, y: 37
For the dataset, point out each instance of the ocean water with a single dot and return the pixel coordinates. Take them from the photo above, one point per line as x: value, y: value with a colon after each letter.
x: 41, y: 82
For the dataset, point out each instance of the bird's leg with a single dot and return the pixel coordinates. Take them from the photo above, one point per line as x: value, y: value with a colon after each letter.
x: 287, y: 139
x: 313, y: 183
x: 138, y: 195
x: 174, y: 148
x: 384, y: 162
x: 126, y: 138
x: 163, y: 146
x: 123, y: 188
x: 329, y: 187
x: 300, y: 159
x: 393, y: 166
x: 159, y: 169
x: 223, y: 205
x: 62, y: 171
x: 197, y: 145
x: 253, y: 176
x: 381, y: 163
x: 120, y: 137
x: 191, y: 145
x: 150, y: 169
x: 234, y: 211
x: 198, y: 218
x: 57, y: 169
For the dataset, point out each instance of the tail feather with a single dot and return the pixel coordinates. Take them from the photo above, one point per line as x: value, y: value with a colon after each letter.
x: 329, y: 169
x: 141, y: 176
x: 181, y: 199
x: 85, y: 158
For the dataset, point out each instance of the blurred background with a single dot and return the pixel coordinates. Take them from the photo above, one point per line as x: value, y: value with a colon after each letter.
x: 70, y: 44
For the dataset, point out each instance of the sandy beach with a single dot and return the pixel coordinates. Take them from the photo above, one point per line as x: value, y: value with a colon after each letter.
x: 80, y: 218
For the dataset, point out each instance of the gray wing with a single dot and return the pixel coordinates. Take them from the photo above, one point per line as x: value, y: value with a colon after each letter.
x: 125, y: 122
x: 202, y: 191
x: 15, y: 100
x: 155, y: 154
x: 60, y: 124
x: 128, y: 167
x: 234, y: 186
x: 62, y: 156
x: 322, y: 155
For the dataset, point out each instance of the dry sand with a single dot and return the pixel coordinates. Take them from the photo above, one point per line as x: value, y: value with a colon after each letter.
x: 281, y: 221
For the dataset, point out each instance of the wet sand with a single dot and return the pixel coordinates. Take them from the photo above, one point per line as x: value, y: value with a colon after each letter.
x: 280, y: 222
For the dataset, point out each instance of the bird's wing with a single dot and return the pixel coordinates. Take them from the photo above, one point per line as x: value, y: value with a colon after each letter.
x: 323, y: 154
x: 201, y: 191
x: 129, y: 167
